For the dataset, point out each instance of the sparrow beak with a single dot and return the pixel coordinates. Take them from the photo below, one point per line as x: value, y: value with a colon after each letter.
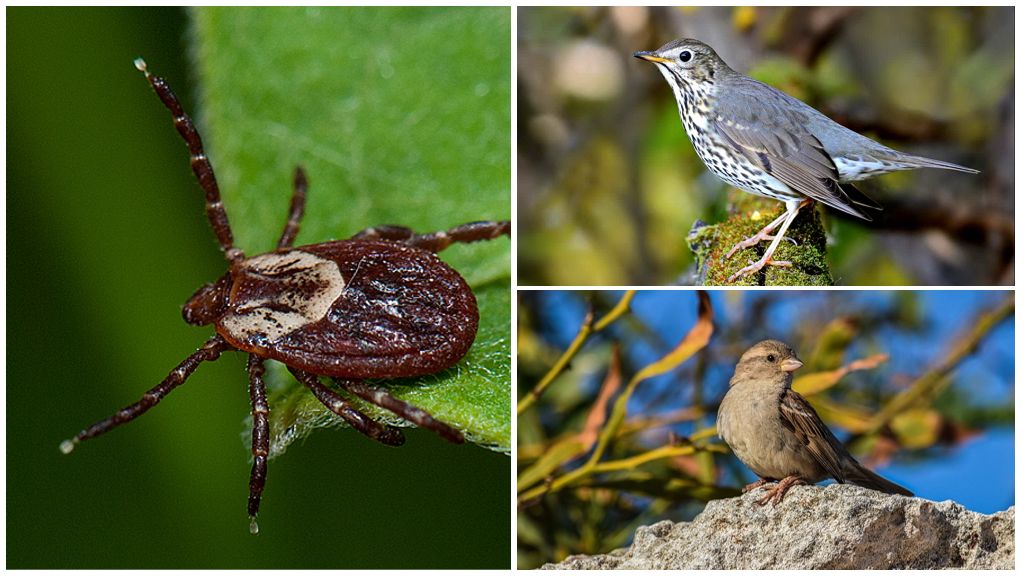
x: 790, y: 365
x: 650, y: 57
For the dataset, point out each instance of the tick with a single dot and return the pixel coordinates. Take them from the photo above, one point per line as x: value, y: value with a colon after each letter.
x: 378, y: 305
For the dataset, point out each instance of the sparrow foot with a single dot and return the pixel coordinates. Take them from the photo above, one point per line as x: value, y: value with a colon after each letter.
x: 755, y: 485
x: 778, y: 492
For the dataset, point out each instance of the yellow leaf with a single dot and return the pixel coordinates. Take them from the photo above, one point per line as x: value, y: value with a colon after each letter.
x: 917, y: 427
x: 744, y: 17
x: 694, y: 341
x: 819, y: 381
x: 847, y: 418
x: 554, y: 457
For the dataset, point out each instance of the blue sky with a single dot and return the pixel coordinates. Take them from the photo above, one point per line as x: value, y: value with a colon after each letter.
x: 977, y: 473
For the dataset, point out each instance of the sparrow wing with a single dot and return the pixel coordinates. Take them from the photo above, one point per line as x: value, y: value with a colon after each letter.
x: 764, y: 127
x: 801, y: 419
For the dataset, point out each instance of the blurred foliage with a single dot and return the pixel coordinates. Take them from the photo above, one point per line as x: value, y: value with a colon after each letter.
x: 609, y: 185
x: 597, y: 457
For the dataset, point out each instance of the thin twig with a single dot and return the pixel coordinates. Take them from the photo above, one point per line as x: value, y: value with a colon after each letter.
x: 695, y: 340
x: 586, y: 329
x: 930, y: 382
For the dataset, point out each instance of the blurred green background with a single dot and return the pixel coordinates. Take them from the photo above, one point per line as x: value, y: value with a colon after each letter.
x: 609, y: 185
x: 107, y: 238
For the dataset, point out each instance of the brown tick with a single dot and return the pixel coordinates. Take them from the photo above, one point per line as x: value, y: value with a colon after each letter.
x: 378, y: 305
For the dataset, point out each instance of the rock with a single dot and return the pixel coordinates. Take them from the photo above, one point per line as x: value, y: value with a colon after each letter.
x: 839, y: 526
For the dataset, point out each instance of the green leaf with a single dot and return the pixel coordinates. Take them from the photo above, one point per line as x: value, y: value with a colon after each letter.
x: 399, y: 116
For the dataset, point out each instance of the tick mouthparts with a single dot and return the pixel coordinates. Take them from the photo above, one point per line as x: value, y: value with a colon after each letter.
x: 790, y: 365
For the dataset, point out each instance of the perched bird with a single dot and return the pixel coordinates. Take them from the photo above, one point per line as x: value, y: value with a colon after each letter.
x: 778, y: 435
x: 766, y: 142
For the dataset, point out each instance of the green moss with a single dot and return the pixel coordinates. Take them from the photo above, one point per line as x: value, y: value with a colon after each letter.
x: 710, y: 243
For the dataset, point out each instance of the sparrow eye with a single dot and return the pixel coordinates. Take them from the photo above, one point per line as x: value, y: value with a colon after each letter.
x: 685, y: 56
x: 771, y: 358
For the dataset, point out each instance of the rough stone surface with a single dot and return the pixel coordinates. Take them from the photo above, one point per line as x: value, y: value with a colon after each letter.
x: 836, y: 526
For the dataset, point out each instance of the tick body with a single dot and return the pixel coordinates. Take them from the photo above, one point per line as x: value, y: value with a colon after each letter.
x: 402, y: 312
x: 378, y: 305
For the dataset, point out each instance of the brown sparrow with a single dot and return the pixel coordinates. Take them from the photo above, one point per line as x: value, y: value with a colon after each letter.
x: 778, y: 435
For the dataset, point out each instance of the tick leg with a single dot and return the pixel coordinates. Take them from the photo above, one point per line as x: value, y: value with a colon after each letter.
x: 437, y: 241
x: 211, y: 350
x: 200, y: 163
x: 417, y: 416
x: 387, y: 232
x: 360, y: 422
x: 260, y: 438
x: 291, y: 228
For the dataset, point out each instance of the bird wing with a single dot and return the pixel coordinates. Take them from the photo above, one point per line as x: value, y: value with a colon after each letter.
x: 764, y: 126
x: 801, y: 419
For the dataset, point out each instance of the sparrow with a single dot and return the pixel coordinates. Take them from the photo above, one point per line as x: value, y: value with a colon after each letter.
x: 776, y: 432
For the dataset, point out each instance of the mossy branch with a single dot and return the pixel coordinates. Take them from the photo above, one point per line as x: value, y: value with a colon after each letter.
x: 710, y: 243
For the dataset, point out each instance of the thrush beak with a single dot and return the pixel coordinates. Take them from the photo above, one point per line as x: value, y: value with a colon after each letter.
x: 650, y: 57
x: 790, y: 365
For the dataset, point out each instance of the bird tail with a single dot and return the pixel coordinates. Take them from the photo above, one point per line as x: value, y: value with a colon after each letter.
x: 856, y: 474
x: 846, y: 198
x: 859, y: 198
x: 922, y: 162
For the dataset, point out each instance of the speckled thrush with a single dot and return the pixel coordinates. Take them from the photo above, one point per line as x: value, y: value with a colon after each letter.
x: 766, y: 142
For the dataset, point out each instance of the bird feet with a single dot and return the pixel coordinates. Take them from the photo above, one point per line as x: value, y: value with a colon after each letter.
x: 782, y: 223
x: 765, y: 260
x: 778, y: 492
x: 762, y: 236
x: 755, y: 485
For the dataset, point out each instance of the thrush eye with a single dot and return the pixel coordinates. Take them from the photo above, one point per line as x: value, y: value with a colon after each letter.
x: 685, y: 56
x: 771, y: 357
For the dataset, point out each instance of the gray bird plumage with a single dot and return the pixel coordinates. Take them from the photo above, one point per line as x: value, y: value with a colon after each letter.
x: 776, y: 432
x: 784, y: 136
x: 763, y: 141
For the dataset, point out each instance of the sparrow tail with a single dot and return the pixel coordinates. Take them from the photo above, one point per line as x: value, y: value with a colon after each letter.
x: 861, y: 476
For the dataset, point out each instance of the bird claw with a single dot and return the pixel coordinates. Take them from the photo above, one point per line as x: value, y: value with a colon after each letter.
x: 754, y: 240
x: 778, y: 492
x: 773, y: 497
x: 755, y: 266
x: 755, y: 485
